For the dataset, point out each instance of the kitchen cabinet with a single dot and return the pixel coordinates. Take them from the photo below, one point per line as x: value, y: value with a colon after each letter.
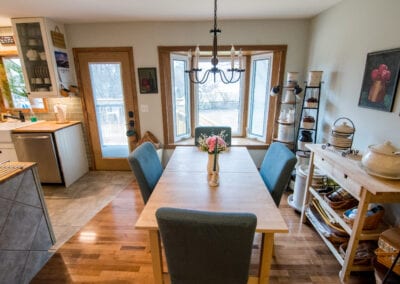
x: 42, y: 47
x: 26, y: 233
x: 59, y: 150
x: 7, y: 152
x: 347, y: 172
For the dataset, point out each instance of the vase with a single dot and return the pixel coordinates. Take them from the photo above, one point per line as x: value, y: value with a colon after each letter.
x: 210, y: 163
x: 377, y: 92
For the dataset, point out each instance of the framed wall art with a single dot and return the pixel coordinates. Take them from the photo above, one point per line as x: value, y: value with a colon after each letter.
x: 381, y: 76
x: 148, y: 80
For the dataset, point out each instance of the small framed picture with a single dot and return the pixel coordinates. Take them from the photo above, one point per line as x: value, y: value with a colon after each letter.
x: 381, y: 76
x: 148, y: 80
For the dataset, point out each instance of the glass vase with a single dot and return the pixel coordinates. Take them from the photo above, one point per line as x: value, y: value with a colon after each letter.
x: 210, y: 163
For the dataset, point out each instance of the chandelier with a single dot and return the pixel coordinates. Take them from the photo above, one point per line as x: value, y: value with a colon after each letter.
x: 232, y: 75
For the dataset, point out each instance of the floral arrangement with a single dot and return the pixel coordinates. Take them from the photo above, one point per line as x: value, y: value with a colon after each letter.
x: 382, y: 73
x: 208, y: 143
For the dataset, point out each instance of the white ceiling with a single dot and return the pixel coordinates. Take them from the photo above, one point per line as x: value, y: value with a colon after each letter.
x: 91, y: 11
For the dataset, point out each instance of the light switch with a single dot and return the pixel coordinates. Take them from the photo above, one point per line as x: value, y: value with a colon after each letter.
x: 144, y: 108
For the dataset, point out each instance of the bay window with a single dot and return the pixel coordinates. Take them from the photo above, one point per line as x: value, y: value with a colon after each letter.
x: 245, y: 106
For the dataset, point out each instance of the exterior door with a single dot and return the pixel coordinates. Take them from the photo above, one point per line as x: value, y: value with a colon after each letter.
x: 106, y: 77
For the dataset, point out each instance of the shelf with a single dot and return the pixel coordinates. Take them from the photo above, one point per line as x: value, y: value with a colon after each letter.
x: 311, y: 129
x: 288, y: 103
x: 331, y: 246
x: 286, y: 142
x: 334, y: 213
x: 310, y: 107
x: 285, y: 123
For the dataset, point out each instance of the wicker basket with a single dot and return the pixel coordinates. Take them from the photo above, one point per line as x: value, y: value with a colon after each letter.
x: 387, y: 258
x: 364, y: 254
x: 371, y: 222
x: 346, y: 201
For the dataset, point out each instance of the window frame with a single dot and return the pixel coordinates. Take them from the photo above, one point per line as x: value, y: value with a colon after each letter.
x: 278, y: 63
x: 253, y: 60
x: 3, y: 107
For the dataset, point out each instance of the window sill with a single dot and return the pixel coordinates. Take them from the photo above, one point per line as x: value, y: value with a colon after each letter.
x: 236, y: 142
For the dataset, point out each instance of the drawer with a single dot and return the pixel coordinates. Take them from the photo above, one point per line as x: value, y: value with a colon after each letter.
x: 337, y: 174
x: 323, y: 165
x: 345, y: 181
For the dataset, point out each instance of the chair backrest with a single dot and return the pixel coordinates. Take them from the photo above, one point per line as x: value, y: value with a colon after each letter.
x: 206, y: 247
x: 147, y: 168
x: 276, y: 169
x: 212, y: 130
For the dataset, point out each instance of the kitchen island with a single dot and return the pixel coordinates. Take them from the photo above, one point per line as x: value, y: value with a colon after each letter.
x: 26, y: 234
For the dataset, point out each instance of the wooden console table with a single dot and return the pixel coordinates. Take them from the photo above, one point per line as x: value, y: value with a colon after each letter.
x: 347, y: 172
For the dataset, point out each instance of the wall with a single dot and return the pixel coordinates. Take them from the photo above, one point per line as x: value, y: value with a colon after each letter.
x: 144, y: 37
x: 340, y: 39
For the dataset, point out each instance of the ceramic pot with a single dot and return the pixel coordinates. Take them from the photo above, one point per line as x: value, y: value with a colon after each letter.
x: 314, y: 78
x: 382, y: 160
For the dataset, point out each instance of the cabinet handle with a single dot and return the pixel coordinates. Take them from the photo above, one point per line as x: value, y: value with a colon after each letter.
x: 345, y: 176
x: 1, y: 151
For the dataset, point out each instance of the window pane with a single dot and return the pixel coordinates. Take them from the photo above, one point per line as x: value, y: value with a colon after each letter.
x: 259, y: 97
x: 14, y: 94
x: 180, y: 94
x: 110, y: 108
x: 219, y: 104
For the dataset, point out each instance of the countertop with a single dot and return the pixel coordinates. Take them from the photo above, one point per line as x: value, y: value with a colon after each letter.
x: 45, y: 126
x: 10, y: 169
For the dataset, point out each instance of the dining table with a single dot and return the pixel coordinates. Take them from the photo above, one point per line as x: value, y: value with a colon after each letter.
x: 184, y: 183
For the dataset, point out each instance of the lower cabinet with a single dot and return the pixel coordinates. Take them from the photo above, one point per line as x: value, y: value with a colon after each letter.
x: 348, y: 174
x: 26, y: 234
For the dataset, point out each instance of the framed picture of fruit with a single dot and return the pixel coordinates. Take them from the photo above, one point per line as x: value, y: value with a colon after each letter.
x: 381, y: 75
x: 147, y: 80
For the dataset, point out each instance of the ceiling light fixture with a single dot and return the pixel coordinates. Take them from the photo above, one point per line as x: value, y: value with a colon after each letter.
x: 234, y: 74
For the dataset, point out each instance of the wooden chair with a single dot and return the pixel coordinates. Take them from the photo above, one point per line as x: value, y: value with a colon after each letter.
x: 276, y: 169
x: 206, y: 247
x: 212, y: 130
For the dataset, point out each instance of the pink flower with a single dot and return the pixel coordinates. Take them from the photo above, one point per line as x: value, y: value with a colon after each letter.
x: 211, y: 141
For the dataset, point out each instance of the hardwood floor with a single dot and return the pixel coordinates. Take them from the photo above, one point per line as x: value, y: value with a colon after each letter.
x: 108, y: 249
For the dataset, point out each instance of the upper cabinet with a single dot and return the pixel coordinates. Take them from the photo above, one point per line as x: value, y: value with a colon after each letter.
x: 42, y: 47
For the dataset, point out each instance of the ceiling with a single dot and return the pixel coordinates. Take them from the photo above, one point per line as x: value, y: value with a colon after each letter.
x: 95, y: 11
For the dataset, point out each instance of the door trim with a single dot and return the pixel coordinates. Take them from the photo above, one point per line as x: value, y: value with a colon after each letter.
x: 129, y: 51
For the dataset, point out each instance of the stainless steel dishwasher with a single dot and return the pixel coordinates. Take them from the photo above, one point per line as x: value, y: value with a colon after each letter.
x: 39, y: 148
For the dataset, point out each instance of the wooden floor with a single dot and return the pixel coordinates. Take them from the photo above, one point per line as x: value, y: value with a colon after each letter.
x: 109, y: 250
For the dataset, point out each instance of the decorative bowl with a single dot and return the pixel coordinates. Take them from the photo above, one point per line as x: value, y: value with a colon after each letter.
x: 382, y: 160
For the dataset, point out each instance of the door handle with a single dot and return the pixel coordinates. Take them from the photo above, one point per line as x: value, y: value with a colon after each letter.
x: 33, y: 137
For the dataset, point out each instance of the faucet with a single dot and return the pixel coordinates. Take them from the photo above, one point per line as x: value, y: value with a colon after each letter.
x: 19, y: 117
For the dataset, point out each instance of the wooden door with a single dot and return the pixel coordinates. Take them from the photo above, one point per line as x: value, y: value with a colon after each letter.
x: 106, y: 77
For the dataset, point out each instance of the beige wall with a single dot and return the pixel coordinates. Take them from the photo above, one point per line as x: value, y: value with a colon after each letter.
x: 340, y: 40
x: 144, y: 37
x: 341, y: 37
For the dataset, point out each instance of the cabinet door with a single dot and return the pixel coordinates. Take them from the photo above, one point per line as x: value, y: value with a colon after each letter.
x: 35, y: 57
x: 7, y: 152
x: 45, y: 63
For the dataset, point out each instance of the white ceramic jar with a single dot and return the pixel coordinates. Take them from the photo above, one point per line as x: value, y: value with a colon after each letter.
x: 382, y: 160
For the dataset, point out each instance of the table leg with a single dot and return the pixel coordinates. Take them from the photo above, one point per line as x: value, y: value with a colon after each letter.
x: 267, y: 245
x: 156, y: 256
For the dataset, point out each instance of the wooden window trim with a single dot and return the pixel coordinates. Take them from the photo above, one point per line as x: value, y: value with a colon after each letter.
x: 278, y: 68
x: 24, y: 110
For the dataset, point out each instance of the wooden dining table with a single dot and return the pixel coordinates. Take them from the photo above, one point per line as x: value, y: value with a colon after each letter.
x: 184, y: 184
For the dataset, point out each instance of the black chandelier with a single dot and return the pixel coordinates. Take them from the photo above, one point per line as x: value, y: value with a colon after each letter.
x: 234, y: 74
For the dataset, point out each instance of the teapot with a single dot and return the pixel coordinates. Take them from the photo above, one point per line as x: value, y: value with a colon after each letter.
x: 382, y: 160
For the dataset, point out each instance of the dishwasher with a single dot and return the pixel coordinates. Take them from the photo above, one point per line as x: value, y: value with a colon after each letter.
x: 39, y: 148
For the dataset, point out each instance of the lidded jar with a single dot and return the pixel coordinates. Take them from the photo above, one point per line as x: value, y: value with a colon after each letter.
x: 306, y: 136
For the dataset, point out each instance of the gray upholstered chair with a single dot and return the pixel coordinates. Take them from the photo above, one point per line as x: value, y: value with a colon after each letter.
x: 276, y: 169
x: 147, y: 168
x: 206, y: 247
x: 212, y: 130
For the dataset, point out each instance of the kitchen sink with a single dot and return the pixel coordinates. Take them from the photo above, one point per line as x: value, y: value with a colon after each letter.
x: 7, y: 127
